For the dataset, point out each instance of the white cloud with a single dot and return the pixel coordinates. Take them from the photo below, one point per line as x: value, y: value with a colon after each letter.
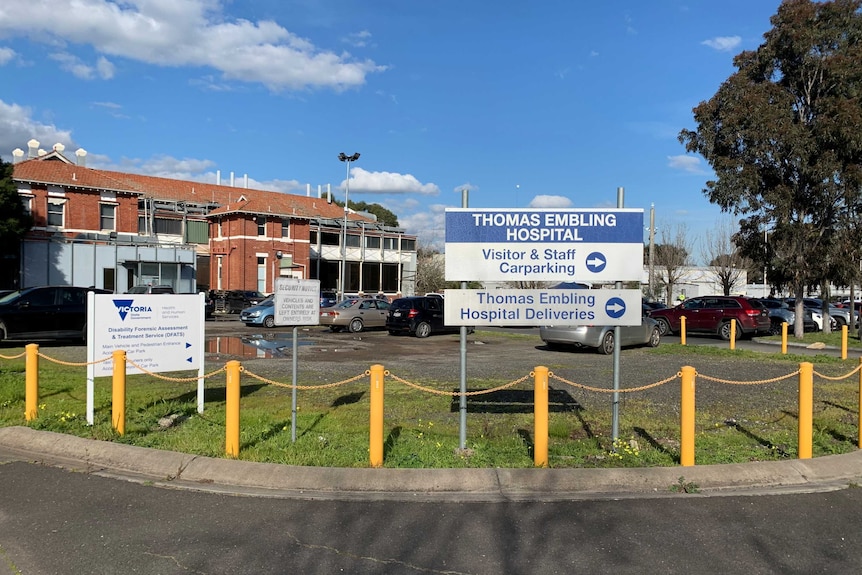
x: 429, y: 225
x: 685, y: 163
x: 188, y: 33
x: 546, y: 201
x: 6, y: 55
x: 80, y: 69
x: 358, y: 39
x: 17, y: 127
x: 466, y: 186
x: 723, y: 43
x: 363, y: 181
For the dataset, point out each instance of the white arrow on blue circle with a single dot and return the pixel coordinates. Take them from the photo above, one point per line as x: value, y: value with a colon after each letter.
x: 596, y: 262
x: 615, y: 307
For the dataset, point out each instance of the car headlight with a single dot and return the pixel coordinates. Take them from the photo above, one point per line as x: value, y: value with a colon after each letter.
x: 254, y: 313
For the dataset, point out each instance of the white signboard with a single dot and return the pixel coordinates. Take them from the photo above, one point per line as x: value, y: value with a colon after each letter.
x: 544, y: 245
x: 297, y: 301
x: 517, y: 307
x: 159, y: 332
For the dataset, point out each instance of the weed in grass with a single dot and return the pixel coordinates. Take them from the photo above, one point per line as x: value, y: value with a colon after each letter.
x: 683, y: 486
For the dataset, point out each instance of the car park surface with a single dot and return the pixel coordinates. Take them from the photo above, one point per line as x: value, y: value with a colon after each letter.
x: 601, y: 338
x: 355, y: 314
x: 713, y: 314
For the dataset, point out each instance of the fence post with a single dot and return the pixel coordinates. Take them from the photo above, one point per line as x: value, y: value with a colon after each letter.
x: 859, y: 410
x: 686, y: 448
x: 843, y: 342
x: 31, y: 380
x: 784, y: 337
x: 231, y: 443
x: 118, y: 401
x: 540, y: 414
x: 806, y: 409
x: 376, y: 416
x: 682, y: 330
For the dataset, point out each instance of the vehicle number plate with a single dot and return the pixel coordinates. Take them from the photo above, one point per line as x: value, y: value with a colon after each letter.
x: 396, y: 314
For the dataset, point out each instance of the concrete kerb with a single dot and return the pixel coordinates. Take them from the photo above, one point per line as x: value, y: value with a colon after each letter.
x: 179, y: 470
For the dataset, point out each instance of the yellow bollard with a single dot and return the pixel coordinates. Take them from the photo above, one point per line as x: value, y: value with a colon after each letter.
x: 733, y: 334
x: 682, y: 330
x: 540, y: 410
x: 686, y: 448
x: 31, y: 381
x: 843, y: 342
x: 859, y: 412
x: 232, y: 386
x: 376, y: 416
x: 118, y: 401
x: 784, y: 337
x: 806, y: 409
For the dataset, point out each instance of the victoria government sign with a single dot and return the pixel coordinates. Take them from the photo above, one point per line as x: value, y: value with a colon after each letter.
x: 509, y: 245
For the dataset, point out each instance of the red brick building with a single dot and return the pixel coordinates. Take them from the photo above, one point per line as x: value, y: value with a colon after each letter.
x: 114, y: 230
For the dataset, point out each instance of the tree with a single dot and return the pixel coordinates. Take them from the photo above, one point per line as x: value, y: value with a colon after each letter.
x: 726, y: 262
x: 782, y: 135
x: 14, y: 223
x: 384, y: 216
x: 672, y: 257
x: 430, y: 276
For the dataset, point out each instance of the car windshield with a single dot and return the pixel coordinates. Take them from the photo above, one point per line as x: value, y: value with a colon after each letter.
x: 347, y: 303
x: 10, y: 296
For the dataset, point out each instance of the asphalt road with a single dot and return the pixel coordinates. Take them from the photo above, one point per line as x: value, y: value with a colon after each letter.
x: 56, y: 522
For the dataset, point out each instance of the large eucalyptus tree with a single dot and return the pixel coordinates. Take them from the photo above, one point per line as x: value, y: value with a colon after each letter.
x: 784, y: 137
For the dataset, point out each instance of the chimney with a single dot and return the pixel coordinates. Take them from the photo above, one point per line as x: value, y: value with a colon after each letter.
x: 32, y: 148
x: 17, y: 155
x: 218, y: 177
x: 81, y: 154
x: 245, y: 180
x: 231, y: 179
x: 58, y: 147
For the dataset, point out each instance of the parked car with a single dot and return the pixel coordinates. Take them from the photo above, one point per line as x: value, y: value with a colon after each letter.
x: 328, y: 298
x: 355, y: 314
x: 780, y: 312
x: 150, y: 289
x: 239, y: 299
x: 262, y: 314
x: 417, y: 315
x: 601, y: 338
x: 839, y: 316
x: 47, y: 312
x: 712, y: 314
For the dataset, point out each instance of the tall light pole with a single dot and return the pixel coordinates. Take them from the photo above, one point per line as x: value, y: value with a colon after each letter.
x: 342, y: 277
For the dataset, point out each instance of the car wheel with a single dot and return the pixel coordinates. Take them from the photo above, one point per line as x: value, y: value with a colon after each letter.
x: 724, y: 330
x: 663, y: 326
x: 2, y: 331
x: 423, y: 329
x: 356, y: 325
x: 654, y: 337
x: 833, y: 324
x: 775, y: 328
x: 606, y: 347
x: 839, y: 321
x: 269, y: 321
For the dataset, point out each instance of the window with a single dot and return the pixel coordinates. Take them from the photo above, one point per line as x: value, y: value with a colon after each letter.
x: 329, y: 239
x: 390, y: 243
x: 408, y: 245
x: 372, y: 242
x: 27, y: 201
x: 285, y: 227
x: 107, y: 217
x: 168, y: 226
x: 56, y: 211
x: 352, y: 241
x: 261, y: 274
x: 261, y: 226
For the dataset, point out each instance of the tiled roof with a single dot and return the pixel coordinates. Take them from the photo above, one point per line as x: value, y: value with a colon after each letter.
x: 230, y: 199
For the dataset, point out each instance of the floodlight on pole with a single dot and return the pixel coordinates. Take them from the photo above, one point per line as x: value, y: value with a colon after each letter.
x: 342, y: 278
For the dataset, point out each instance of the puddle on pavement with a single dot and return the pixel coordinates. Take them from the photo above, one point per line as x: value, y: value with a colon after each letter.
x: 262, y: 346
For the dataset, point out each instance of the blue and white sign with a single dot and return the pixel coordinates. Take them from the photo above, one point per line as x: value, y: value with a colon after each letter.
x: 544, y: 245
x: 519, y: 307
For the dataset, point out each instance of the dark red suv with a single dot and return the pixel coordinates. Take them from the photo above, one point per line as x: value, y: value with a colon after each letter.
x: 712, y: 314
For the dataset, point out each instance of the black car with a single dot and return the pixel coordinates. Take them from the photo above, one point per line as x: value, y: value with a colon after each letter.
x: 417, y: 315
x: 238, y: 299
x: 43, y: 313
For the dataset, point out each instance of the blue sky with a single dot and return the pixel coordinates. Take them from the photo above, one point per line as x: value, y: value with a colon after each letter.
x: 552, y: 103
